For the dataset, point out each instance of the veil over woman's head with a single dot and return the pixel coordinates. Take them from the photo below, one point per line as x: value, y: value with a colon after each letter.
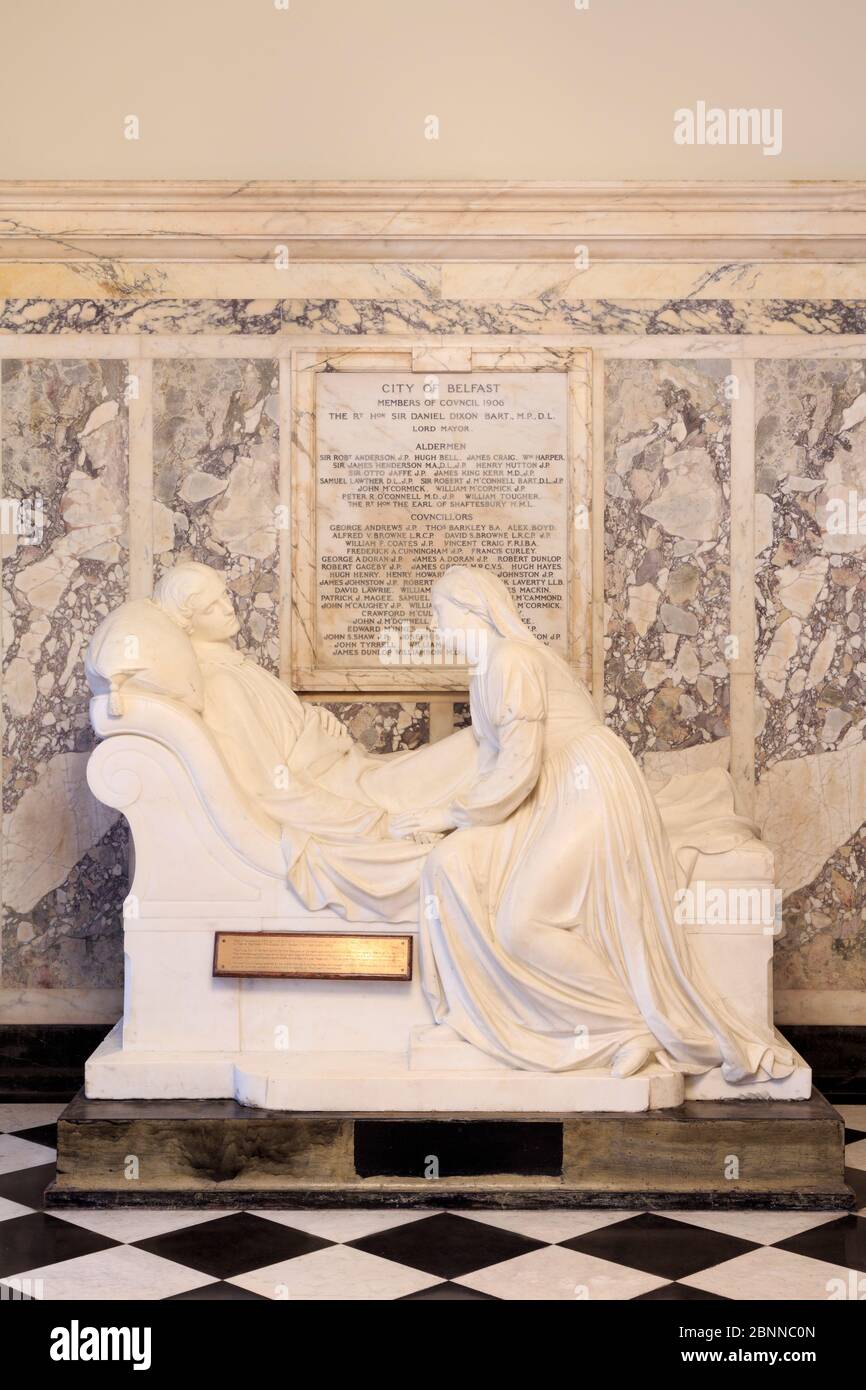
x: 485, y: 595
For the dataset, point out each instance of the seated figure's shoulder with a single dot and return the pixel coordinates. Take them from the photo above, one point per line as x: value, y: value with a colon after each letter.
x: 516, y: 681
x: 509, y: 654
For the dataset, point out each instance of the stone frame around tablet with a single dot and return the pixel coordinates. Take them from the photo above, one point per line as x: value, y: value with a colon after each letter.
x: 308, y: 671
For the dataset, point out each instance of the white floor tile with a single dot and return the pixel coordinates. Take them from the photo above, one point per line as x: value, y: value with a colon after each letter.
x: 563, y: 1275
x: 342, y: 1225
x: 762, y: 1227
x: 339, y: 1272
x: 18, y: 1153
x: 9, y: 1210
x: 27, y: 1116
x: 136, y: 1223
x: 117, y: 1274
x: 853, y: 1115
x: 551, y: 1226
x: 855, y: 1154
x: 773, y: 1275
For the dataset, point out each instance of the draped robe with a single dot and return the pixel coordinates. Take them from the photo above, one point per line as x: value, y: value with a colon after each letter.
x: 546, y: 919
x: 549, y: 938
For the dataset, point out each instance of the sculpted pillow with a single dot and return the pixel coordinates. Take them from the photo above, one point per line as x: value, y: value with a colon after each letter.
x: 140, y: 645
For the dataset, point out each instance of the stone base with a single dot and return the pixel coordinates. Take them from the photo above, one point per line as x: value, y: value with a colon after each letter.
x: 437, y: 1074
x: 217, y: 1153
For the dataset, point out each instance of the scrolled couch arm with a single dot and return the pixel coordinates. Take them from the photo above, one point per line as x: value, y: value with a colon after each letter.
x: 243, y: 826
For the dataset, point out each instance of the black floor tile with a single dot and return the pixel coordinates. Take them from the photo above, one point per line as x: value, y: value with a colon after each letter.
x: 232, y: 1244
x: 679, y: 1293
x: 40, y: 1134
x: 446, y: 1245
x: 447, y: 1293
x: 29, y: 1242
x: 27, y: 1185
x: 841, y: 1242
x: 217, y: 1293
x: 856, y: 1179
x: 659, y: 1245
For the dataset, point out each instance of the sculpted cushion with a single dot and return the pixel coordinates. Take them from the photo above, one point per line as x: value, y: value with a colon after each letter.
x: 138, y: 643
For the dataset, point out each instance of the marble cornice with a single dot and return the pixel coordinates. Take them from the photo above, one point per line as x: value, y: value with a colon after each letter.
x: 201, y: 221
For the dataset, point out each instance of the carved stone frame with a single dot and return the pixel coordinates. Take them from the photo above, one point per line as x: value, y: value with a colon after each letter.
x: 308, y: 672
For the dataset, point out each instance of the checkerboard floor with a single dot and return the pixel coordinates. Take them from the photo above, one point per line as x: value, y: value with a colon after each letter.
x: 347, y: 1255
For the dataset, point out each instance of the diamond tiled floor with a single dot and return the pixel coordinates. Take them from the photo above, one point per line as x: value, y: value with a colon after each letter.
x: 387, y: 1255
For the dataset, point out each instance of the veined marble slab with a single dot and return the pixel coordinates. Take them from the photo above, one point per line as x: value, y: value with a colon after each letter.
x: 65, y: 445
x: 667, y: 552
x: 350, y: 316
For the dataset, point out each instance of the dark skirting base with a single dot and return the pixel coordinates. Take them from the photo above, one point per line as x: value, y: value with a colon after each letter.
x: 705, y: 1154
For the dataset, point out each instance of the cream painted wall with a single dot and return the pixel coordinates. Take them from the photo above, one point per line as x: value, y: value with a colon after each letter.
x: 334, y: 89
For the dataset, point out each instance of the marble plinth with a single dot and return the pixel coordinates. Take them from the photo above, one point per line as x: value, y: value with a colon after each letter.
x: 438, y: 1074
x: 217, y: 1153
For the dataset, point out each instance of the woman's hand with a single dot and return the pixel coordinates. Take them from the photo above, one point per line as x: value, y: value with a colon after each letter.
x: 331, y: 724
x: 418, y: 825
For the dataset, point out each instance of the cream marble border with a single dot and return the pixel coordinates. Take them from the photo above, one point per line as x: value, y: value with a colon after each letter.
x: 284, y: 533
x: 742, y: 626
x: 306, y: 673
x: 140, y: 515
x: 598, y: 506
x: 711, y: 345
x: 426, y: 282
x: 123, y: 227
x: 844, y: 1007
x: 80, y: 1005
x: 2, y: 724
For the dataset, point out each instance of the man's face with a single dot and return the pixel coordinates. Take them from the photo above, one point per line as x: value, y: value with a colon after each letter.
x: 214, y: 619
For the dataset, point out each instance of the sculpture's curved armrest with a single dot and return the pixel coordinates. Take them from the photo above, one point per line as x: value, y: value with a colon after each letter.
x: 243, y: 825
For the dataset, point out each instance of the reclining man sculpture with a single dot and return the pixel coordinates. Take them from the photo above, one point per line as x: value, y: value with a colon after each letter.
x: 545, y: 870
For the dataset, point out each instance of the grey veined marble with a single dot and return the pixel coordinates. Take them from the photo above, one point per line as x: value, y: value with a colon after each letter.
x: 810, y: 590
x: 216, y: 463
x: 65, y: 444
x: 384, y: 726
x: 667, y: 552
x: 546, y: 313
x: 810, y: 506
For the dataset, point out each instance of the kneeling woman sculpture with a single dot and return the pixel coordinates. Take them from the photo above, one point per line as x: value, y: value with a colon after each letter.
x: 548, y: 930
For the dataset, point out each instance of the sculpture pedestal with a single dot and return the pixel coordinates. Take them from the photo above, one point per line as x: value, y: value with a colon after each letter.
x: 217, y: 1153
x: 436, y: 1074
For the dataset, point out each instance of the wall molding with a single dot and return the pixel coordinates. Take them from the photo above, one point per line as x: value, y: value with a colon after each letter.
x: 241, y: 222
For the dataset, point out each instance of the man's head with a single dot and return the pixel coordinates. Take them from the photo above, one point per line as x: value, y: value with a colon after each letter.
x: 195, y: 597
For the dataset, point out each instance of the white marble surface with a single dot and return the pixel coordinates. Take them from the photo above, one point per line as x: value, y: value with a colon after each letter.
x: 362, y: 1080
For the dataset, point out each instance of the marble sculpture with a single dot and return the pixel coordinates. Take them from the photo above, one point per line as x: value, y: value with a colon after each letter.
x: 543, y: 881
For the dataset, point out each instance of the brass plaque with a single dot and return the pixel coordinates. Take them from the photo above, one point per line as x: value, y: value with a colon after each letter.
x: 300, y: 955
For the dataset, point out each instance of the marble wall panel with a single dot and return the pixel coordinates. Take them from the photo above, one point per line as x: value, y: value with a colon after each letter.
x: 64, y: 441
x: 810, y: 590
x: 383, y: 726
x: 810, y: 570
x: 667, y: 584
x: 216, y: 467
x: 545, y: 312
x: 462, y: 714
x: 824, y: 944
x: 667, y: 464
